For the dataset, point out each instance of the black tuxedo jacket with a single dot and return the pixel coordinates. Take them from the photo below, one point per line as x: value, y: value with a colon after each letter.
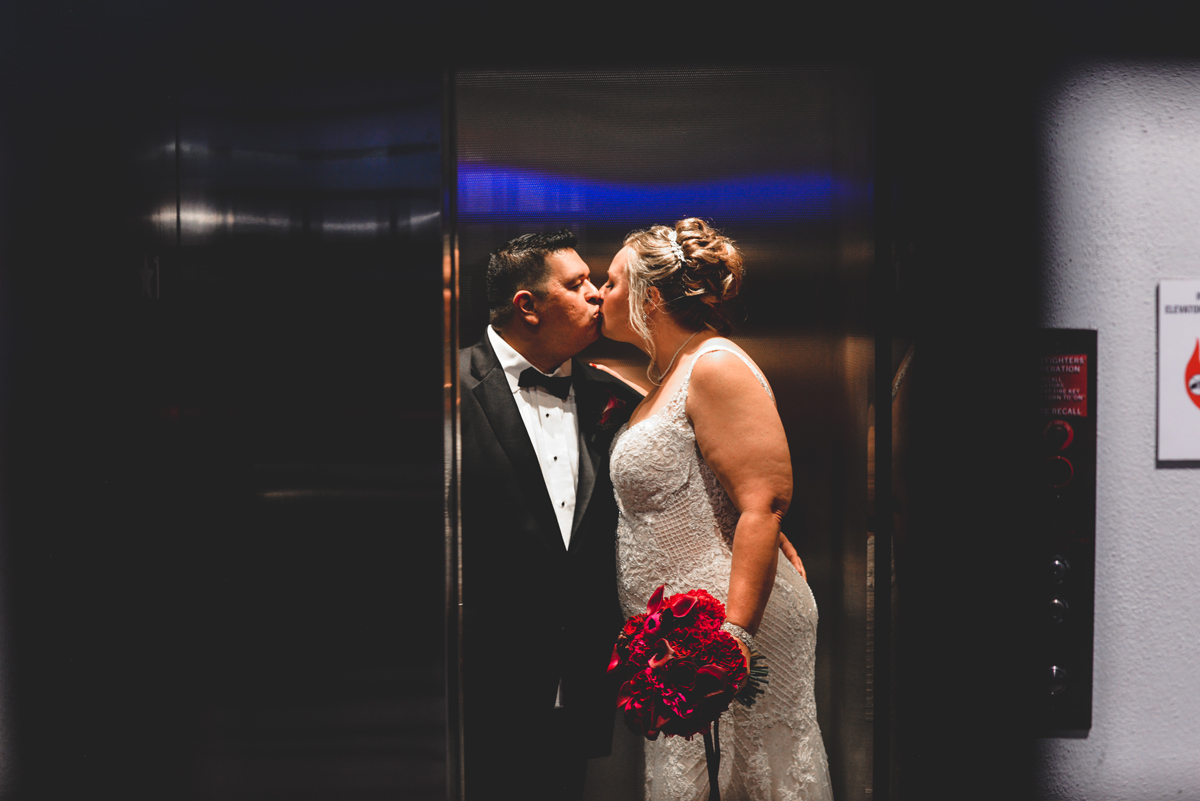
x: 535, y: 611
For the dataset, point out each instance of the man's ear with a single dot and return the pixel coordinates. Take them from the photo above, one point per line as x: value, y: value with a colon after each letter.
x: 526, y: 305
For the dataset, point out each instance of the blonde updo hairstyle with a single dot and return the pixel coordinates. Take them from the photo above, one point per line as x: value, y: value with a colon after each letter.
x: 696, y: 289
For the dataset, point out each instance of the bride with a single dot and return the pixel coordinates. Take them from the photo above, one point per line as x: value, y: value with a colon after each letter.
x: 703, y: 477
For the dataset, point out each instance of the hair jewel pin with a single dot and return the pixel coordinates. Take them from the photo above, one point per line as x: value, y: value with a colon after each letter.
x: 678, y: 251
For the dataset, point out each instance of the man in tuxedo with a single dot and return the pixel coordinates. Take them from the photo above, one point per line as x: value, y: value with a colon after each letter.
x: 540, y: 611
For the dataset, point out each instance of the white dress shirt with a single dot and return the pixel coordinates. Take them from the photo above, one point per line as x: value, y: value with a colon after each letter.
x: 552, y: 427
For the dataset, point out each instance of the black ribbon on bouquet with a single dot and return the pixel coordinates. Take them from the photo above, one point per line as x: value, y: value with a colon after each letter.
x: 712, y: 755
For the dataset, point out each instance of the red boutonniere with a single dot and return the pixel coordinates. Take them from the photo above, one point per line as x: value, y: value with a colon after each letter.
x: 610, y: 407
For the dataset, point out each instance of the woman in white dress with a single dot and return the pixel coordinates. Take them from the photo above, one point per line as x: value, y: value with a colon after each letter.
x: 703, y: 477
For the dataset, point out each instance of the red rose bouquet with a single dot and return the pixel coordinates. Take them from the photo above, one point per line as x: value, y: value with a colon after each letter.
x: 680, y: 670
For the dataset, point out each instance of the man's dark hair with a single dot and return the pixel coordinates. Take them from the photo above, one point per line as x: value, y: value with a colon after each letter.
x: 521, y: 264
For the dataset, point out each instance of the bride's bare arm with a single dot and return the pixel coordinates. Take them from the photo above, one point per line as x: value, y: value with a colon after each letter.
x: 742, y: 439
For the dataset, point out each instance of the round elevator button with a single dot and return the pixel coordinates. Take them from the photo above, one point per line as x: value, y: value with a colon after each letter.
x: 1058, y: 679
x: 1059, y: 569
x: 1058, y: 610
x: 1058, y: 435
x: 1057, y: 471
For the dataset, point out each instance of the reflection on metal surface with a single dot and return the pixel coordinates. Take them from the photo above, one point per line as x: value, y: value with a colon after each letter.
x: 198, y: 220
x: 321, y: 167
x: 492, y: 193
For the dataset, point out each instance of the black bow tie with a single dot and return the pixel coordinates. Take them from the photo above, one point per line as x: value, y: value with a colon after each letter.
x: 559, y: 387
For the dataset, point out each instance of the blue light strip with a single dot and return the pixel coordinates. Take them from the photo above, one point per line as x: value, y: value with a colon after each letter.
x: 489, y: 193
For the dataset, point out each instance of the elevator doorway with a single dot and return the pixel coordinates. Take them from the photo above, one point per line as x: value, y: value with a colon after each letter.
x: 781, y: 160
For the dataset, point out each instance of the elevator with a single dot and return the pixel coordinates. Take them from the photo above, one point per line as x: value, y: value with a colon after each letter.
x: 238, y: 250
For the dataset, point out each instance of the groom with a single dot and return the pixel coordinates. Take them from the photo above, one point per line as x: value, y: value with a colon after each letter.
x: 540, y: 611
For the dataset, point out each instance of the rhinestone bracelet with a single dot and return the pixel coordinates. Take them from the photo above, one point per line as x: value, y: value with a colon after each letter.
x: 737, y: 631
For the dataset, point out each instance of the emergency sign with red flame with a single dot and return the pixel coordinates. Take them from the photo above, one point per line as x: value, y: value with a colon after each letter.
x: 1192, y: 376
x: 1178, y: 338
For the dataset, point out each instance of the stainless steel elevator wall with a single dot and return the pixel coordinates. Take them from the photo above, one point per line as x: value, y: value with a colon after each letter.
x: 223, y: 498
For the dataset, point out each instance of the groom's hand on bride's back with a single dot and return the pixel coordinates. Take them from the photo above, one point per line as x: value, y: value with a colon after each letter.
x: 789, y: 553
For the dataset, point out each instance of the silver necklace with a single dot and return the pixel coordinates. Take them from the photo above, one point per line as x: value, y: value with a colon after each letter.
x: 670, y: 364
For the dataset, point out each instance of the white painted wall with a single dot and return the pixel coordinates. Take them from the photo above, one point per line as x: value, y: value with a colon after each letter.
x: 1122, y: 180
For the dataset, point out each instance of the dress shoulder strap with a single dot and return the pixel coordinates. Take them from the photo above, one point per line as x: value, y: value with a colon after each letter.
x: 687, y: 379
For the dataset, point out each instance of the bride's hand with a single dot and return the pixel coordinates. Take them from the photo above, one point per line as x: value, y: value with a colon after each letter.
x: 606, y: 369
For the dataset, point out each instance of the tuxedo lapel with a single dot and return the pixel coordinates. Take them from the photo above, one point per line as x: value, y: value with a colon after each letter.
x: 496, y: 399
x: 588, y: 408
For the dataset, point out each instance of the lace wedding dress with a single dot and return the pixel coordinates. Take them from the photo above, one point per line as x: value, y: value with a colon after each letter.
x: 676, y: 528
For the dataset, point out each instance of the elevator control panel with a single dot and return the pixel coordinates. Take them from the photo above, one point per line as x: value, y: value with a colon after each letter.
x: 1065, y: 486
